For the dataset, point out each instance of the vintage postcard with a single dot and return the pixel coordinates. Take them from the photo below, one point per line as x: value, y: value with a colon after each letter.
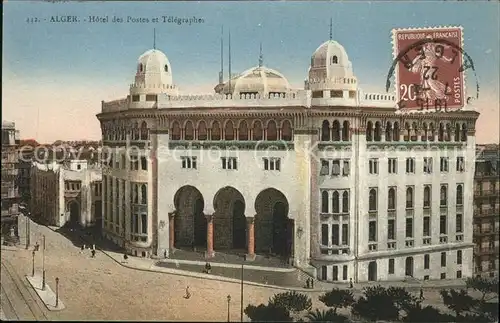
x: 330, y: 161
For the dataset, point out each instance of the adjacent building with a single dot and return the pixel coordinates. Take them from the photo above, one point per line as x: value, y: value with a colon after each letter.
x: 67, y: 192
x: 486, y: 210
x: 332, y: 178
x: 10, y: 191
x: 26, y: 158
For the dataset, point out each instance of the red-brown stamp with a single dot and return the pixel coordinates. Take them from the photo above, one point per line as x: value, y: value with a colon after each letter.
x: 429, y: 74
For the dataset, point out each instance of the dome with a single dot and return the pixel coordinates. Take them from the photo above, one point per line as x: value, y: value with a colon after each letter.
x: 154, y: 73
x: 259, y: 80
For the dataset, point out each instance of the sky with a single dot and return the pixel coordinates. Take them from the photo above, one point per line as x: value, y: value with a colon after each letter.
x: 55, y: 74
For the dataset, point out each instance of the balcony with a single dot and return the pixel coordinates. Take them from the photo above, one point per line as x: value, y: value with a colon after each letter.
x: 486, y: 251
x: 486, y: 193
x: 486, y: 231
x: 485, y: 174
x: 486, y: 212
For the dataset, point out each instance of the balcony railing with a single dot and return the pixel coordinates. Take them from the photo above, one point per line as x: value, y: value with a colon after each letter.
x: 486, y: 250
x: 487, y: 212
x: 485, y: 174
x: 486, y: 193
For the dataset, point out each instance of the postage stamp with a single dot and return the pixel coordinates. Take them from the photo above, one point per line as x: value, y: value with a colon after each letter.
x: 429, y: 72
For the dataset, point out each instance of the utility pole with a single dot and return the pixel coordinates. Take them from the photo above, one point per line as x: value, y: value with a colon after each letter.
x: 43, y: 264
x: 241, y: 314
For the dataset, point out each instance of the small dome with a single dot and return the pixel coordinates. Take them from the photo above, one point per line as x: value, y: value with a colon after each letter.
x: 257, y: 80
x: 154, y: 73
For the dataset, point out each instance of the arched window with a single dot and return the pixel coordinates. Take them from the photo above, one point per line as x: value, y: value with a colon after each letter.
x: 345, y: 202
x: 463, y: 137
x: 176, y: 131
x: 272, y: 131
x: 441, y: 132
x: 423, y: 136
x: 286, y: 131
x: 215, y: 134
x: 336, y: 130
x: 257, y: 130
x: 443, y: 196
x: 414, y: 136
x: 189, y: 131
x: 406, y: 136
x: 229, y: 131
x: 457, y: 132
x: 335, y: 60
x: 243, y: 131
x: 144, y: 194
x: 378, y: 131
x: 409, y: 198
x: 369, y: 131
x: 136, y: 131
x: 324, y: 202
x: 460, y: 195
x: 388, y: 131
x: 396, y: 133
x: 427, y: 197
x: 325, y: 131
x: 136, y: 193
x: 166, y: 68
x: 141, y: 67
x: 202, y: 130
x: 372, y: 200
x: 335, y: 202
x: 346, y: 131
x: 431, y: 134
x: 448, y: 132
x: 391, y: 201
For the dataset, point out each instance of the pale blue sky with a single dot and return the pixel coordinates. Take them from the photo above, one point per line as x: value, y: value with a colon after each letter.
x: 93, y: 56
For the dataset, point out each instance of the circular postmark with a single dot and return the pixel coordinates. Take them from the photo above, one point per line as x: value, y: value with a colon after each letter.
x: 429, y: 69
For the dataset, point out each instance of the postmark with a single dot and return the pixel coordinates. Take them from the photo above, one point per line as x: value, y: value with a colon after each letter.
x: 429, y: 69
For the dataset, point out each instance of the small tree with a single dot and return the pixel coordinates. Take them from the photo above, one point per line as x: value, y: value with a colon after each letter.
x: 487, y: 287
x: 403, y: 300
x: 267, y: 313
x: 292, y: 301
x: 325, y: 316
x: 375, y: 305
x: 337, y: 298
x: 426, y: 314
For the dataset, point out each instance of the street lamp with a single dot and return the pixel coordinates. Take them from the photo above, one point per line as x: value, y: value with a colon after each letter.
x: 43, y: 264
x: 241, y: 309
x: 228, y: 307
x: 33, y: 267
x: 27, y: 231
x: 57, y: 292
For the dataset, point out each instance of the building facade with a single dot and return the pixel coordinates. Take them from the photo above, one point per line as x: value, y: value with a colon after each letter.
x: 67, y: 193
x: 334, y: 179
x: 26, y: 154
x: 10, y: 168
x: 486, y: 210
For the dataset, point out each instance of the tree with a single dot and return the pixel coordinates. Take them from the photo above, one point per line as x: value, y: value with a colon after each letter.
x: 376, y: 304
x: 425, y: 314
x: 487, y: 287
x: 403, y: 300
x: 267, y: 313
x: 459, y: 302
x: 292, y: 301
x: 325, y: 316
x: 337, y: 298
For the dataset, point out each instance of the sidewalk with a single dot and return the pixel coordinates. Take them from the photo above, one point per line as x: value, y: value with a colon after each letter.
x: 47, y: 296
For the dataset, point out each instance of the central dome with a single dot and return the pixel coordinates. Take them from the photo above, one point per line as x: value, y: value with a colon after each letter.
x: 330, y: 60
x: 154, y: 73
x: 259, y: 80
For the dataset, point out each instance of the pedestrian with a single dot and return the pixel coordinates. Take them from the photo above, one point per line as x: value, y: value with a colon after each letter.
x: 312, y: 283
x: 208, y: 268
x: 93, y: 247
x: 125, y: 257
x: 351, y: 285
x: 83, y: 247
x: 188, y: 294
x: 421, y: 294
x: 165, y: 254
x: 93, y: 253
x: 308, y: 284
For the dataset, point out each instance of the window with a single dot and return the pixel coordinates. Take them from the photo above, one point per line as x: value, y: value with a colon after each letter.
x: 344, y: 272
x: 391, y: 266
x: 346, y: 169
x: 409, y: 197
x: 409, y: 227
x: 229, y: 163
x: 345, y: 234
x: 324, y: 202
x: 443, y: 275
x: 373, y: 166
x: 427, y: 226
x: 345, y: 202
x: 442, y: 224
x: 335, y: 234
x: 460, y: 164
x: 427, y: 261
x: 151, y: 97
x: 443, y: 259
x: 325, y: 166
x: 335, y: 202
x: 144, y: 163
x: 144, y: 224
x: 410, y: 165
x: 459, y: 274
x: 136, y: 98
x: 427, y: 165
x: 460, y: 194
x: 336, y: 167
x: 391, y: 199
x: 272, y: 164
x: 444, y: 164
x: 459, y: 223
x: 78, y: 166
x: 443, y: 196
x: 391, y: 232
x: 459, y: 257
x: 335, y: 273
x: 324, y: 234
x: 372, y: 231
x: 188, y: 162
x: 372, y: 200
x: 427, y: 196
x: 392, y: 166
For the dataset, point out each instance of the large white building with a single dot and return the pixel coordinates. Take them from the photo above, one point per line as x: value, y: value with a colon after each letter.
x: 328, y: 176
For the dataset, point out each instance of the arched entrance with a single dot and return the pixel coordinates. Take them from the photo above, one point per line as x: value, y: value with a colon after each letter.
x: 372, y: 271
x: 74, y: 213
x: 273, y: 228
x: 190, y: 224
x: 229, y: 220
x: 409, y: 266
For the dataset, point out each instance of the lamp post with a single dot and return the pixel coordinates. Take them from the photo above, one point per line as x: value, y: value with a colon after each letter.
x: 43, y: 264
x: 27, y: 231
x: 57, y: 292
x: 228, y: 307
x: 241, y: 309
x: 33, y: 264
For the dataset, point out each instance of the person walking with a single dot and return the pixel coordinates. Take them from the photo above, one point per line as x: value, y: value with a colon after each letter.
x: 351, y: 285
x: 421, y: 294
x: 93, y: 253
x: 188, y: 294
